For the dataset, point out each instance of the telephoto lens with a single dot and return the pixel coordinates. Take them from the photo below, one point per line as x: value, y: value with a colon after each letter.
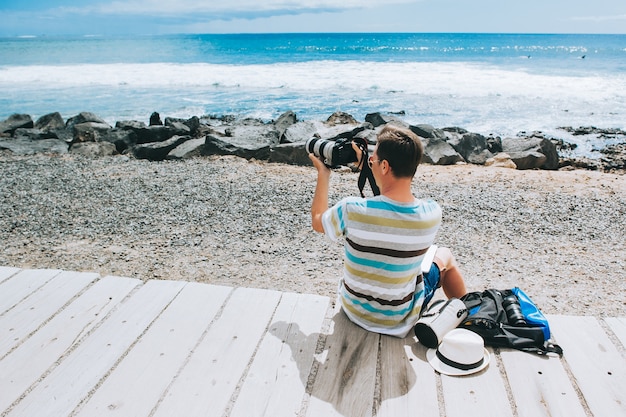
x: 332, y: 152
x: 513, y: 310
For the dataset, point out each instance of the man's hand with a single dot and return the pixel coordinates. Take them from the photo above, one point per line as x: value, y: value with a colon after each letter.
x: 359, y: 153
x: 322, y: 169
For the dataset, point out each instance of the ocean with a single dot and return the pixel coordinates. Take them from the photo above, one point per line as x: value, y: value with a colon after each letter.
x: 497, y: 84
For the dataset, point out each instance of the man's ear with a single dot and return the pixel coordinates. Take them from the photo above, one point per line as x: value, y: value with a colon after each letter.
x: 385, y: 167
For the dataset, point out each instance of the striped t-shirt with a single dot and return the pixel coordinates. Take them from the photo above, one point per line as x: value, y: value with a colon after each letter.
x: 385, y: 241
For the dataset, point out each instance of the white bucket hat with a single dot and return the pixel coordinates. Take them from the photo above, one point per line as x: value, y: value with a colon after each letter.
x: 461, y: 352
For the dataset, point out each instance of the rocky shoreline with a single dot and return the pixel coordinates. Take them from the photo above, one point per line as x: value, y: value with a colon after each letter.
x: 283, y: 140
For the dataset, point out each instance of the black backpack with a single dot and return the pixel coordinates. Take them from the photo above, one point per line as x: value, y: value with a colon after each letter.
x: 510, y: 319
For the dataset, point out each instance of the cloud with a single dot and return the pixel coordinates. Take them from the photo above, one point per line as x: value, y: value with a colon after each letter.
x: 599, y: 19
x: 221, y: 9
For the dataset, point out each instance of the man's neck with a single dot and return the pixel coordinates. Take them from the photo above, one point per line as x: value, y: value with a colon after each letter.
x: 399, y: 189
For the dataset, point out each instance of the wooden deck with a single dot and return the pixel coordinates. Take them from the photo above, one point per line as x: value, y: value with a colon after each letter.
x: 77, y: 344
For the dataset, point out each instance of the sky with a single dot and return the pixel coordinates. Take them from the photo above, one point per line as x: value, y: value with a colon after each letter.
x: 105, y: 17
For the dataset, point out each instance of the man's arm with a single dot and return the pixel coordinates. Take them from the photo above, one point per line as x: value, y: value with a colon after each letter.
x: 320, y: 198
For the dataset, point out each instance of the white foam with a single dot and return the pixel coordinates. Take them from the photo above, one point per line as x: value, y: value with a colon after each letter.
x: 459, y: 79
x: 481, y: 98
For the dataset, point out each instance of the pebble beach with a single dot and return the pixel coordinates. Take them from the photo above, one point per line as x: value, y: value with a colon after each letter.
x: 558, y: 235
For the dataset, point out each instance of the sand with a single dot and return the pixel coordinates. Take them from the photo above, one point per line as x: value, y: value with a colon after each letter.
x: 558, y: 235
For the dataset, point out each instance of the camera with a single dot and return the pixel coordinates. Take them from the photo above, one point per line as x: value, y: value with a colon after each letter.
x: 333, y: 152
x: 513, y: 310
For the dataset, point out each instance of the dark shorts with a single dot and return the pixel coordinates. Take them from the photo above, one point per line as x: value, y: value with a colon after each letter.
x: 432, y: 281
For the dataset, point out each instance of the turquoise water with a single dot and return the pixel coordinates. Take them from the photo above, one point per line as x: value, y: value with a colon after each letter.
x: 487, y: 83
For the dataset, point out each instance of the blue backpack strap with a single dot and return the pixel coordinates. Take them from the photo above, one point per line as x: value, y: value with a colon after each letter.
x: 531, y: 312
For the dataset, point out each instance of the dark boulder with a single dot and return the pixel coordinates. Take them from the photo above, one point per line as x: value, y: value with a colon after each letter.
x: 188, y: 149
x: 83, y: 117
x: 341, y: 118
x: 439, y: 152
x: 158, y: 151
x: 473, y: 147
x: 26, y: 146
x: 50, y: 122
x: 214, y: 145
x: 90, y: 131
x: 284, y: 121
x: 532, y: 152
x: 191, y: 125
x: 16, y: 121
x: 123, y: 139
x: 155, y: 133
x: 130, y: 125
x: 155, y: 119
x: 428, y: 131
x: 93, y: 149
x: 379, y: 119
x: 248, y: 138
x: 289, y: 153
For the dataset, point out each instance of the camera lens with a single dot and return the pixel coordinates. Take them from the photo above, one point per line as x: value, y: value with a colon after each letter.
x: 322, y: 148
x: 513, y: 310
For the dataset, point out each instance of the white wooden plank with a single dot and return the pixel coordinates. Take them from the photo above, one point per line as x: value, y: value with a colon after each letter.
x: 71, y: 382
x: 25, y: 365
x: 408, y: 384
x: 22, y: 285
x: 345, y: 380
x: 139, y: 381
x: 28, y: 315
x: 7, y: 272
x: 597, y: 365
x: 276, y: 382
x: 540, y: 385
x: 204, y: 387
x: 618, y: 326
x: 481, y: 394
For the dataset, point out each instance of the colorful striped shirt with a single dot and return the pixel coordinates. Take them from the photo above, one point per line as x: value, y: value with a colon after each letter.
x: 385, y: 241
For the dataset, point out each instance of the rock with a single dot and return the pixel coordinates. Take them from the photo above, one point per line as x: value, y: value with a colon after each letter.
x: 90, y: 131
x: 501, y: 160
x: 248, y: 138
x: 26, y: 146
x: 93, y: 149
x: 179, y: 127
x: 50, y: 122
x: 187, y: 149
x: 130, y: 125
x: 16, y: 121
x: 284, y: 121
x: 439, y: 152
x: 155, y: 119
x: 34, y: 134
x: 471, y: 146
x: 379, y: 119
x: 341, y: 118
x: 531, y: 153
x: 158, y: 151
x: 289, y: 153
x: 427, y: 131
x: 123, y: 139
x: 214, y: 145
x: 301, y: 132
x: 154, y: 133
x: 83, y: 117
x: 191, y: 125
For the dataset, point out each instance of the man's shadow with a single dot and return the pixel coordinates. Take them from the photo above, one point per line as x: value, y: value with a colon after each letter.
x: 355, y: 371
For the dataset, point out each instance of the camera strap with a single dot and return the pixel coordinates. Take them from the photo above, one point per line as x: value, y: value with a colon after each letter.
x: 366, y: 172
